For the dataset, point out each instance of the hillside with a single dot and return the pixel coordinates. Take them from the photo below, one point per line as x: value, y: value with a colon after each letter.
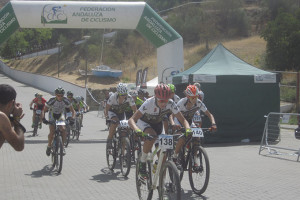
x: 251, y: 50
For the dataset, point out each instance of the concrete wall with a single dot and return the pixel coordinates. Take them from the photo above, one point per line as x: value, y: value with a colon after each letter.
x: 45, y: 83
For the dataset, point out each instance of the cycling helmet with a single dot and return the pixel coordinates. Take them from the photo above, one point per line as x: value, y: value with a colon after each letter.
x: 141, y: 91
x: 172, y: 87
x: 39, y: 95
x: 198, y: 85
x: 133, y: 93
x: 69, y: 93
x: 122, y: 89
x: 162, y: 91
x: 191, y: 91
x: 35, y: 94
x: 82, y: 98
x: 78, y: 98
x: 59, y: 90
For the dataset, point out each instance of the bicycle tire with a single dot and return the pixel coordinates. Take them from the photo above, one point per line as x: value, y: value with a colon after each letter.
x: 135, y: 148
x: 77, y: 129
x: 111, y: 155
x: 36, y: 123
x: 68, y: 135
x: 183, y: 162
x: 204, y: 171
x: 73, y: 134
x: 145, y: 191
x: 171, y: 189
x: 59, y: 153
x: 125, y: 156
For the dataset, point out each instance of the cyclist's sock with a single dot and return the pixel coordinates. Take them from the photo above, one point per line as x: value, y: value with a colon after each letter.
x: 144, y: 157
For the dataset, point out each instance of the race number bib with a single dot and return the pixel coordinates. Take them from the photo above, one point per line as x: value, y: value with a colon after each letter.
x: 38, y: 112
x: 60, y: 123
x: 124, y: 124
x: 197, y: 132
x: 166, y: 141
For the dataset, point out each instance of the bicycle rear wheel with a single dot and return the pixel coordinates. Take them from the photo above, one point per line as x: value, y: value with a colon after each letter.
x: 125, y: 157
x: 68, y: 135
x: 169, y: 182
x: 59, y: 154
x: 35, y: 128
x: 199, y: 170
x: 144, y: 186
x: 111, y: 154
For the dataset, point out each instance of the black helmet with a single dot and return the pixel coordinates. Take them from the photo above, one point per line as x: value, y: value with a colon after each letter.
x: 59, y: 90
x: 141, y: 91
x: 69, y: 93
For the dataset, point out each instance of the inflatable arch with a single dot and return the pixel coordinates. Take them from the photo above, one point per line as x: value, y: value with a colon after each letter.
x: 99, y: 15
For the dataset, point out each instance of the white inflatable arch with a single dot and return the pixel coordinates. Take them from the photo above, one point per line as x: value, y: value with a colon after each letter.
x: 99, y: 15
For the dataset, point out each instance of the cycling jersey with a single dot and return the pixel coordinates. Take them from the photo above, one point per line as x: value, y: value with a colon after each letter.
x: 117, y: 108
x: 58, y: 107
x: 138, y: 102
x: 176, y: 98
x: 189, y: 114
x: 74, y: 103
x: 39, y: 103
x: 153, y: 114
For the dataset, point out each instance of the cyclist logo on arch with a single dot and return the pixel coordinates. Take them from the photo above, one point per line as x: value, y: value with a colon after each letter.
x: 54, y: 14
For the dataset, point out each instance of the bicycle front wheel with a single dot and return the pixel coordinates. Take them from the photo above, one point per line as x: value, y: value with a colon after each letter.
x: 68, y: 136
x: 144, y: 186
x: 111, y: 155
x: 199, y: 170
x: 169, y: 182
x: 125, y: 157
x: 59, y: 154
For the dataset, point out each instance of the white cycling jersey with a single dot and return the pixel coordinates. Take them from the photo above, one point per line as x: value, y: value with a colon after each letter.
x: 153, y: 114
x: 115, y: 107
x: 189, y: 113
x: 58, y: 107
x: 176, y: 98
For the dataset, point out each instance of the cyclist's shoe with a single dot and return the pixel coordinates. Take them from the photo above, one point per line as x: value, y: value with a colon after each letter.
x: 176, y: 162
x: 48, y: 151
x: 40, y: 125
x: 197, y: 168
x: 64, y: 151
x: 142, y: 170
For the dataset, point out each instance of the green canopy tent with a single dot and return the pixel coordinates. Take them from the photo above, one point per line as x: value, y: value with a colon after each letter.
x: 238, y: 94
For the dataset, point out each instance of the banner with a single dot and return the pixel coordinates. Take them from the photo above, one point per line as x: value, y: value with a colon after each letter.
x: 8, y: 22
x: 144, y: 78
x: 138, y: 78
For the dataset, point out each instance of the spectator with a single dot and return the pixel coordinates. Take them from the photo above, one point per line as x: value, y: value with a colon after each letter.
x: 11, y: 113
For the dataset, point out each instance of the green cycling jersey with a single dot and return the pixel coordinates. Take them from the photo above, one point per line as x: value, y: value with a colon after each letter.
x: 138, y: 103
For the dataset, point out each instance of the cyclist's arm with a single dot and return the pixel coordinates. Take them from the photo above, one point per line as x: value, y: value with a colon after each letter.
x: 171, y: 119
x: 44, y: 111
x: 211, y: 117
x: 31, y: 103
x: 73, y: 112
x: 132, y: 121
x: 134, y: 109
x: 182, y: 120
x: 107, y: 107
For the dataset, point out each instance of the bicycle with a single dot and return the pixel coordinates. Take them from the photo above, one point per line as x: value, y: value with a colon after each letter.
x: 120, y: 148
x: 69, y: 128
x: 76, y: 133
x: 164, y: 171
x: 37, y: 118
x: 57, y: 149
x: 135, y: 145
x: 194, y: 159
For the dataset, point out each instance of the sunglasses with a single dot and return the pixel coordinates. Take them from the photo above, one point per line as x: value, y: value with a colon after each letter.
x: 162, y: 100
x: 70, y: 96
x: 123, y: 94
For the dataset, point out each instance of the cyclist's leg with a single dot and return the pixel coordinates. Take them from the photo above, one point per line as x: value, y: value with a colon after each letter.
x: 51, y: 134
x: 180, y: 142
x: 33, y: 117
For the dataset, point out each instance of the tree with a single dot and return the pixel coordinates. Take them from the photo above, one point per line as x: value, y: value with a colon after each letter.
x: 283, y: 42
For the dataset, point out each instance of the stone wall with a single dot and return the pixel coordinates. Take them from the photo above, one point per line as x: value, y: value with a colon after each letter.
x: 96, y: 97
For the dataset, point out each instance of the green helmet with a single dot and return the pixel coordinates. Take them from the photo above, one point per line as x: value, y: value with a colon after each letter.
x: 172, y: 87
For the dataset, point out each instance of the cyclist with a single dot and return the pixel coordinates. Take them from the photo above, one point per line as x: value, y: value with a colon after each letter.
x: 115, y: 109
x: 85, y: 107
x: 73, y: 101
x: 149, y: 119
x: 141, y: 94
x: 56, y: 107
x: 189, y: 106
x: 39, y: 104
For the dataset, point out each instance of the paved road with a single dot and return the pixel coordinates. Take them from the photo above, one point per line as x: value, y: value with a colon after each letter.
x: 237, y: 171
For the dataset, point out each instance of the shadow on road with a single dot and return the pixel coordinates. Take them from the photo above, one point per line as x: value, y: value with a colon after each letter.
x: 48, y: 170
x: 109, y: 175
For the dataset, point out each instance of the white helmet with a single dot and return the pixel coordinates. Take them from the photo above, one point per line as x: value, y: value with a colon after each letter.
x: 78, y: 98
x: 122, y: 89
